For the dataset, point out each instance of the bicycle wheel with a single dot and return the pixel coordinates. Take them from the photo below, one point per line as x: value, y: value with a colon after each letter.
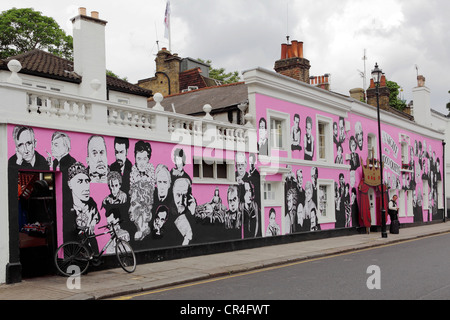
x: 72, y: 258
x: 125, y: 255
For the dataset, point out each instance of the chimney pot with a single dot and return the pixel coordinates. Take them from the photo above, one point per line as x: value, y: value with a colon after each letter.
x: 283, y: 51
x: 94, y: 14
x: 300, y: 49
x: 294, y: 48
x: 82, y: 11
x: 420, y: 81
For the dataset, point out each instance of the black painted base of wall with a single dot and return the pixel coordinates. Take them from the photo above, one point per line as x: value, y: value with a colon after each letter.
x: 14, y: 270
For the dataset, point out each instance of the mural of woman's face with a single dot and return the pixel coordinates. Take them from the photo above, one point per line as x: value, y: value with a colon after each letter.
x: 80, y: 186
x: 290, y: 202
x: 142, y: 159
x: 272, y: 218
x: 179, y: 163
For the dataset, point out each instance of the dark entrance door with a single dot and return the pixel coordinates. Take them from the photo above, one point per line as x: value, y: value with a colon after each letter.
x: 37, y: 223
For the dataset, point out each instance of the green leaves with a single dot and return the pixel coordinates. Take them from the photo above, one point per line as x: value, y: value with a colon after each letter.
x: 22, y: 30
x: 394, y: 100
x: 220, y: 74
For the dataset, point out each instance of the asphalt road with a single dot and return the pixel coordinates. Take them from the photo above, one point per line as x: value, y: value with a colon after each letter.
x: 412, y: 270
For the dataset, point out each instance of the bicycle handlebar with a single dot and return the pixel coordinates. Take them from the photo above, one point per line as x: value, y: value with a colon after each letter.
x: 109, y: 225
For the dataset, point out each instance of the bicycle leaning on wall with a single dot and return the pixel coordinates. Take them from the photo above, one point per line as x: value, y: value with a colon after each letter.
x: 80, y: 254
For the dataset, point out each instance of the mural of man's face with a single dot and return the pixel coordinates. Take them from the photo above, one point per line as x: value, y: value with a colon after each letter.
x: 114, y: 186
x: 59, y: 148
x: 180, y: 190
x: 80, y: 186
x: 248, y: 193
x: 97, y: 160
x: 162, y: 183
x: 233, y: 200
x: 241, y: 164
x: 300, y: 178
x: 120, y: 152
x: 25, y: 145
x: 142, y: 159
x: 160, y: 219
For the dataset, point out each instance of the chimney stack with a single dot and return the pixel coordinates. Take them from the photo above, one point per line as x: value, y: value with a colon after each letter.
x: 292, y: 63
x: 383, y: 91
x: 320, y: 81
x: 89, y: 53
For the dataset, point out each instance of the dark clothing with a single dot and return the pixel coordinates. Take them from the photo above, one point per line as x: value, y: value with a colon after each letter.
x: 125, y: 175
x: 39, y: 164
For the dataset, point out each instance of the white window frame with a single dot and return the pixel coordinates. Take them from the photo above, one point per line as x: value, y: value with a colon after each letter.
x: 372, y: 138
x: 330, y: 205
x: 215, y: 179
x: 405, y: 152
x: 328, y: 139
x: 275, y: 198
x: 284, y: 118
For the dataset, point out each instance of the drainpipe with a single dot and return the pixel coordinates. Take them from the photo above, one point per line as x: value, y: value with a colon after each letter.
x: 168, y: 79
x: 443, y: 180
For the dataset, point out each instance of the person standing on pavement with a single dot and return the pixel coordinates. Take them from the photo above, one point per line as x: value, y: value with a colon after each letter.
x: 393, y: 213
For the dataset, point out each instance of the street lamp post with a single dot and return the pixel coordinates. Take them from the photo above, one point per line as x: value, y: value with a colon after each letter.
x: 376, y: 76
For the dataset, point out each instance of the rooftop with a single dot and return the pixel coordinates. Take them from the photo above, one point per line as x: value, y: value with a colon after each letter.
x: 43, y: 64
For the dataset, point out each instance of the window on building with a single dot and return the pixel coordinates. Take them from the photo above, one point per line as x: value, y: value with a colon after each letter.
x: 324, y: 139
x: 278, y: 123
x: 325, y: 201
x: 213, y: 169
x: 372, y: 146
x: 269, y: 191
x: 405, y: 158
x: 276, y: 133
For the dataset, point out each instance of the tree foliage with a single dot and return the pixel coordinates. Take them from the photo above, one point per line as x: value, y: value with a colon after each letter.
x: 22, y: 30
x: 220, y: 74
x: 394, y: 100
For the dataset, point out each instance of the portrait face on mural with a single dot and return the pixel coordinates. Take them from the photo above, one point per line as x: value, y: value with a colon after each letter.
x: 25, y: 144
x: 248, y: 192
x: 233, y: 199
x: 114, y: 184
x: 162, y: 181
x: 300, y: 178
x: 80, y: 186
x: 142, y: 159
x: 181, y: 194
x: 97, y: 159
x: 160, y: 219
x: 60, y: 145
x: 120, y: 152
x: 359, y: 135
x: 241, y: 164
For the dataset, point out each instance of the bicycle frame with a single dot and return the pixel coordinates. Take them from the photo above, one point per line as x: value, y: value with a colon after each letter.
x: 111, y: 231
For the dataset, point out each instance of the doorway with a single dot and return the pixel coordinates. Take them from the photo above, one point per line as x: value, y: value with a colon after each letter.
x: 372, y: 198
x: 37, y: 222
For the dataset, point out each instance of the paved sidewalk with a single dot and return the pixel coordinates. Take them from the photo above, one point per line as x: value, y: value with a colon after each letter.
x: 113, y: 282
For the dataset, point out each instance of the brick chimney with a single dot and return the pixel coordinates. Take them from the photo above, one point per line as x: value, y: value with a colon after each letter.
x: 383, y: 91
x: 89, y: 53
x: 292, y: 63
x: 167, y: 76
x: 322, y: 82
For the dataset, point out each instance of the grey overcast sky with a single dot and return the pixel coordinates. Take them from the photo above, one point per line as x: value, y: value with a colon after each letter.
x: 240, y: 35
